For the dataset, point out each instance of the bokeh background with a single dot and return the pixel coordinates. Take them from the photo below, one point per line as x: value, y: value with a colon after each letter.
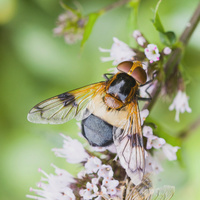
x: 35, y: 65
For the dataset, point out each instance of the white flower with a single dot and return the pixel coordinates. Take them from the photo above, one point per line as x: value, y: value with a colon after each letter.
x: 180, y: 104
x: 170, y: 151
x: 92, y: 165
x: 153, y: 164
x: 109, y: 186
x: 155, y: 142
x: 136, y: 34
x: 152, y: 140
x: 167, y: 50
x: 147, y: 131
x: 89, y: 192
x: 152, y: 52
x: 54, y: 187
x: 119, y: 52
x: 141, y: 40
x: 105, y: 171
x: 143, y: 115
x: 72, y: 150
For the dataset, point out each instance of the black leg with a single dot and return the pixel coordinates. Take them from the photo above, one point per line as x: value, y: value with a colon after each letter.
x: 146, y: 90
x: 144, y: 99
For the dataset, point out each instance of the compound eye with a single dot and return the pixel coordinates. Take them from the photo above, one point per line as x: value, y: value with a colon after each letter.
x: 133, y: 69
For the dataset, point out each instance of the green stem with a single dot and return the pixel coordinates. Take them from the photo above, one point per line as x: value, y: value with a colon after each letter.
x: 187, y: 131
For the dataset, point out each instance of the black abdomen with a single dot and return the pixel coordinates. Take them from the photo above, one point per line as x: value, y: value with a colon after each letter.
x: 97, y: 131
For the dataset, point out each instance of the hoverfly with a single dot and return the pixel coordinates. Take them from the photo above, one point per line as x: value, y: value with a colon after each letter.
x: 109, y: 113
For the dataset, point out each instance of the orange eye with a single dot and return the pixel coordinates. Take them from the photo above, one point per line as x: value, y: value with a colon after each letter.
x: 134, y: 69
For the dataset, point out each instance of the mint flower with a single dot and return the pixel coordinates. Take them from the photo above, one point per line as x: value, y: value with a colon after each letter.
x: 70, y: 25
x: 139, y: 38
x: 105, y: 171
x: 152, y: 53
x: 170, y: 151
x: 70, y: 149
x: 153, y: 164
x: 167, y: 50
x: 54, y: 187
x: 152, y: 140
x: 119, y: 52
x: 90, y: 191
x: 93, y: 165
x: 180, y: 104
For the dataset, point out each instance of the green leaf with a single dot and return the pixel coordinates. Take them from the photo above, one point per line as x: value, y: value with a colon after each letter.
x: 167, y: 38
x: 89, y: 26
x: 171, y: 36
x: 158, y: 24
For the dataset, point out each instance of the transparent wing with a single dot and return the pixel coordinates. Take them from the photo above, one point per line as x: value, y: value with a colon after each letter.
x: 129, y: 144
x: 164, y: 193
x: 66, y: 106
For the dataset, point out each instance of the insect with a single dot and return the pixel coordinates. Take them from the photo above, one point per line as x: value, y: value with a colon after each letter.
x: 109, y: 113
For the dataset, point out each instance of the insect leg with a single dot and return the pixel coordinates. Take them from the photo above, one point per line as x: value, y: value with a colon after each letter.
x: 146, y: 90
x: 144, y: 99
x: 106, y: 77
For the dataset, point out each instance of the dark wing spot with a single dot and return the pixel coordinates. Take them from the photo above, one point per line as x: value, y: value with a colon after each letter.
x: 137, y: 140
x: 65, y: 96
x: 67, y: 99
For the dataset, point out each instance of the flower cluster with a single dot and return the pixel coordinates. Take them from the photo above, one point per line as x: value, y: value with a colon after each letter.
x: 120, y: 51
x: 96, y: 180
x: 54, y: 186
x: 102, y: 175
x: 70, y: 25
x: 102, y: 181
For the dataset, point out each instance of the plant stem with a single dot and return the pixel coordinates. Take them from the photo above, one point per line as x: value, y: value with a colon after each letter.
x: 175, y: 57
x: 184, y: 133
x: 190, y: 27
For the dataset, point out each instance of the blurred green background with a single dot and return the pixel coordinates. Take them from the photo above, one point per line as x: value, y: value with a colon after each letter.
x: 35, y: 65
